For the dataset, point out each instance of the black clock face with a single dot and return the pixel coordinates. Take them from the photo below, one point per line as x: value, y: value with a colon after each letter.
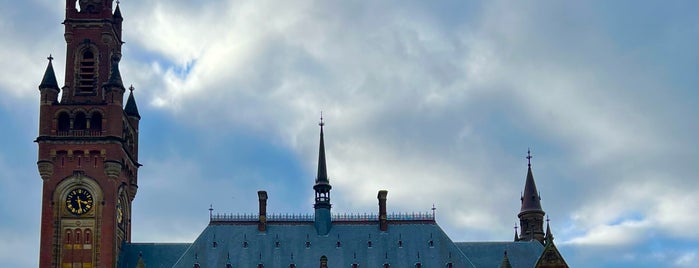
x: 79, y: 201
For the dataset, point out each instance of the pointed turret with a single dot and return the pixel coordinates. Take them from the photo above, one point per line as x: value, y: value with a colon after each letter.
x: 131, y: 109
x: 115, y: 75
x: 505, y: 261
x: 49, y: 81
x: 531, y: 201
x: 117, y: 13
x: 322, y: 190
x: 549, y: 236
x: 531, y: 215
x: 49, y: 85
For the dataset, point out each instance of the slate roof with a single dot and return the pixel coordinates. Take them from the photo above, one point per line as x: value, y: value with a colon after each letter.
x: 490, y: 254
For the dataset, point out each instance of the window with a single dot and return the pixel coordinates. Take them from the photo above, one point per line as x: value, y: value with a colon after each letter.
x: 80, y: 122
x: 450, y: 265
x: 63, y: 122
x: 88, y: 236
x: 87, y: 72
x: 67, y: 238
x: 78, y: 236
x: 418, y: 265
x: 96, y: 121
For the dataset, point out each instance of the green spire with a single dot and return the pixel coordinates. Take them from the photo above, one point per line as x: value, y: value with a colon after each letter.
x: 131, y: 109
x: 49, y: 80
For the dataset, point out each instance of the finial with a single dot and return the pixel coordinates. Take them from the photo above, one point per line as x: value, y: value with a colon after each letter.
x: 547, y: 219
x: 529, y: 157
x: 433, y: 210
x: 516, y: 227
x: 211, y: 211
x: 50, y: 58
x: 321, y: 124
x: 131, y: 88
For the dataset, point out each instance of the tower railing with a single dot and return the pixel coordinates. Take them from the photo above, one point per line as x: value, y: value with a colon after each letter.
x: 79, y: 133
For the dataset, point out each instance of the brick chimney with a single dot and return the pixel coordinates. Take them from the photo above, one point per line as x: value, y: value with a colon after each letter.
x: 262, y: 224
x: 383, y: 220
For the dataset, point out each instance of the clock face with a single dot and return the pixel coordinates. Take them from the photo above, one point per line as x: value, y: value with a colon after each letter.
x: 119, y: 212
x: 79, y: 201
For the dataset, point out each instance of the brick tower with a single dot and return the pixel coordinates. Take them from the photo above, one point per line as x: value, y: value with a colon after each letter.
x: 88, y: 144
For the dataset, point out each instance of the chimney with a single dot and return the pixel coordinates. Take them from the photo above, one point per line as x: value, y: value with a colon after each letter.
x: 383, y: 221
x: 262, y: 224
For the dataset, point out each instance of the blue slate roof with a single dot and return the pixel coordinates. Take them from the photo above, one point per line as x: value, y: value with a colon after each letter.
x: 403, y: 245
x: 490, y: 254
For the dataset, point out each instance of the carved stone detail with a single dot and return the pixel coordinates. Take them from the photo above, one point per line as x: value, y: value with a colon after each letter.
x: 45, y: 169
x: 112, y: 169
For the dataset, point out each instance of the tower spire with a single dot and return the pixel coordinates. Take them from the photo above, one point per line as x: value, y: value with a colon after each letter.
x: 322, y: 189
x: 531, y: 215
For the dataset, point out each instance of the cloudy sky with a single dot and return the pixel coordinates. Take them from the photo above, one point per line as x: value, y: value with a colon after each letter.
x: 435, y: 101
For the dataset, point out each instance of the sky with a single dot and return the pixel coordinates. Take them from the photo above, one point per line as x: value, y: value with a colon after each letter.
x: 435, y: 101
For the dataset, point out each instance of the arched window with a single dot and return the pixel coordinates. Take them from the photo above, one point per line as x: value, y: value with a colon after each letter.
x: 66, y: 239
x: 386, y: 265
x: 96, y: 121
x: 87, y: 72
x: 292, y: 265
x: 80, y: 122
x: 450, y: 265
x: 63, y: 122
x: 78, y: 237
x: 323, y: 262
x: 418, y: 265
x: 355, y: 265
x: 88, y: 237
x: 260, y: 265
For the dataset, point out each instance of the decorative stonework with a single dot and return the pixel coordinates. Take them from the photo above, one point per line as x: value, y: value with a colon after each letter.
x: 45, y: 169
x: 112, y: 169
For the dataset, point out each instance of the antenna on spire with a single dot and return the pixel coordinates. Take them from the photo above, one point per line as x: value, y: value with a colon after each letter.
x: 50, y: 58
x: 529, y: 157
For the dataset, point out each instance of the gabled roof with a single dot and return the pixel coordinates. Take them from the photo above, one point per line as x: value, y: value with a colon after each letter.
x: 489, y: 254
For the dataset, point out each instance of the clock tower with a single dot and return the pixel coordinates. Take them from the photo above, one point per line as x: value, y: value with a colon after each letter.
x: 88, y: 144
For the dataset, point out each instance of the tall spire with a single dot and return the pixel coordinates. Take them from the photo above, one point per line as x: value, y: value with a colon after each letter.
x: 322, y: 176
x: 531, y: 201
x: 49, y: 80
x: 322, y: 187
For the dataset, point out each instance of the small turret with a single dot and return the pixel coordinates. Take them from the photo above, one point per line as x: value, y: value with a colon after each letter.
x: 322, y: 190
x: 49, y: 85
x: 131, y: 109
x: 114, y: 87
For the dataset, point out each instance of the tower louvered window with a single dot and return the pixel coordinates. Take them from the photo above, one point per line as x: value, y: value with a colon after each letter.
x: 87, y: 73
